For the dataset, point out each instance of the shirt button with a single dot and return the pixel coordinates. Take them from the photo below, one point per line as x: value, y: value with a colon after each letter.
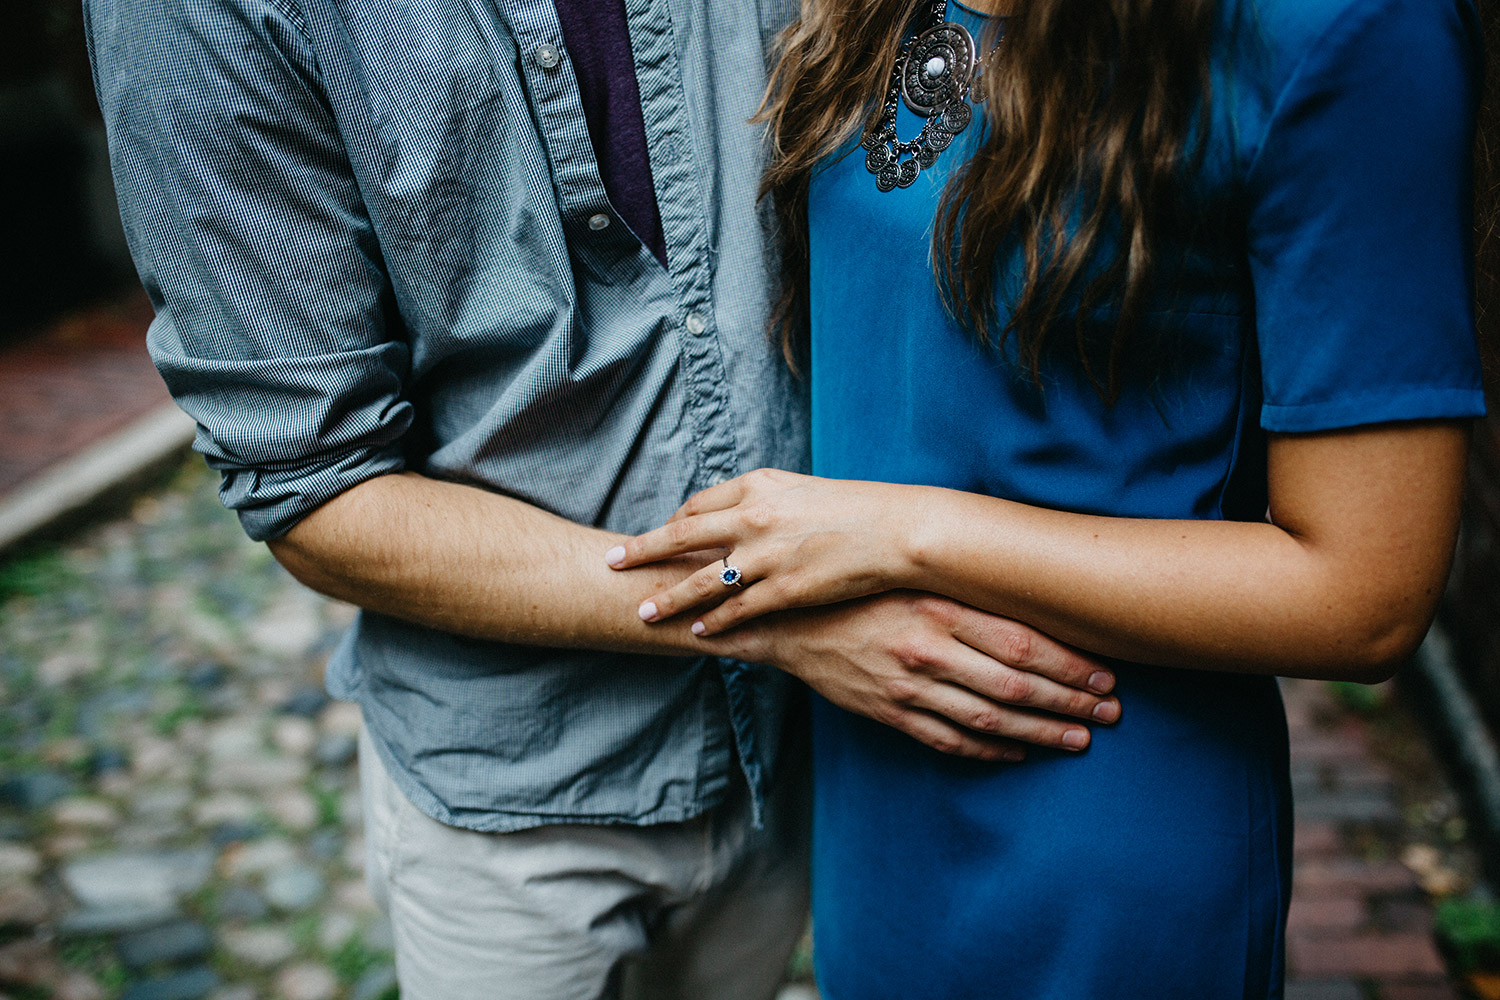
x: 696, y: 324
x: 599, y: 222
x: 547, y: 55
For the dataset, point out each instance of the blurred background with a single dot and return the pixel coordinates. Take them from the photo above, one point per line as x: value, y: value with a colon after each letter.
x: 178, y: 806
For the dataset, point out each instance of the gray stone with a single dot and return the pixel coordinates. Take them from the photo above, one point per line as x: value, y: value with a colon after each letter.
x: 29, y: 961
x: 242, y: 992
x: 288, y: 628
x: 260, y: 772
x: 307, y: 981
x: 64, y: 668
x: 240, y: 902
x: 259, y: 856
x: 225, y: 808
x: 153, y: 832
x: 325, y: 845
x: 336, y: 750
x: 108, y: 761
x: 206, y: 676
x: 295, y: 734
x: 114, y: 919
x: 235, y: 833
x: 262, y: 947
x: 168, y: 800
x: 342, y: 717
x: 149, y: 878
x: 86, y: 812
x: 156, y: 758
x: 190, y: 984
x: 377, y: 981
x: 295, y: 887
x: 306, y: 702
x: 336, y: 929
x: 17, y: 861
x: 23, y: 904
x: 294, y: 808
x: 78, y: 986
x: 239, y: 736
x: 178, y: 942
x: 224, y: 700
x: 35, y: 789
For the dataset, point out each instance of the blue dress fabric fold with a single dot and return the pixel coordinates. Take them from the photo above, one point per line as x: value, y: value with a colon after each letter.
x: 1326, y: 283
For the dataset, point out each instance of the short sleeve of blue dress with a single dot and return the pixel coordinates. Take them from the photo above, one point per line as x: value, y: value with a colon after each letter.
x: 1331, y: 289
x: 1359, y: 232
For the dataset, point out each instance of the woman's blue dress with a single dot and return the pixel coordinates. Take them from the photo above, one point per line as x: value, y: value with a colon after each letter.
x: 1325, y: 282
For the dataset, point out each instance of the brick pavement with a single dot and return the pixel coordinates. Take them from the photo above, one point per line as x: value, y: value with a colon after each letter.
x: 1361, y: 924
x: 83, y: 378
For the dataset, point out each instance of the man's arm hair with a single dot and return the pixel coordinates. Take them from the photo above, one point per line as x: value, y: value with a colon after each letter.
x: 464, y: 560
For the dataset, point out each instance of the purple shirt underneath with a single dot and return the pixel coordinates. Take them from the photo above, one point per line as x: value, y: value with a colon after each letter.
x: 598, y: 41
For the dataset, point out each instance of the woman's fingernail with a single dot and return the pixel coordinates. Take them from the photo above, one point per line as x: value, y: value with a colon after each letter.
x: 648, y: 611
x: 699, y: 628
x: 1014, y: 756
x: 1107, y: 711
x: 1076, y: 739
x: 615, y: 556
x: 1102, y: 682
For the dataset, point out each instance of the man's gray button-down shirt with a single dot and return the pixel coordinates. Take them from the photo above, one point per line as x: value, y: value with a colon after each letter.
x: 372, y: 233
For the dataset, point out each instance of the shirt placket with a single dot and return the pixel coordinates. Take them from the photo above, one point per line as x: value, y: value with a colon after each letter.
x: 596, y: 232
x: 590, y: 224
x: 679, y: 193
x: 676, y: 172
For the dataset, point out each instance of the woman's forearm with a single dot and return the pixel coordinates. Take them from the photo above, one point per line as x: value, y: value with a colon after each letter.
x: 1341, y: 582
x: 1343, y: 585
x: 1207, y: 594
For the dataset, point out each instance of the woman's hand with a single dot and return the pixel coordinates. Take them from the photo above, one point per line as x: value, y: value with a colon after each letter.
x: 797, y: 541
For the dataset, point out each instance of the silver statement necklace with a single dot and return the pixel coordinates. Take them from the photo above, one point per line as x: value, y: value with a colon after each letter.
x: 933, y: 76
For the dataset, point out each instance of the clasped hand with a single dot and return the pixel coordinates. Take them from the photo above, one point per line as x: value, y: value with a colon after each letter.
x: 798, y: 541
x: 958, y: 679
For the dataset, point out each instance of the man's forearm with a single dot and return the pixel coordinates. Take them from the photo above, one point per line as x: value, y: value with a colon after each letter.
x: 467, y: 561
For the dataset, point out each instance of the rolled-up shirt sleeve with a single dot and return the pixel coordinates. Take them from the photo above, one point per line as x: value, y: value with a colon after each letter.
x: 275, y: 328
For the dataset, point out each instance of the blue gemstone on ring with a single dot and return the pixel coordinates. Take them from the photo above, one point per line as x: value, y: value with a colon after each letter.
x: 730, y: 576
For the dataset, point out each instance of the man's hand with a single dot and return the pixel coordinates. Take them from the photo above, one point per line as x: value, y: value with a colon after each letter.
x: 959, y: 680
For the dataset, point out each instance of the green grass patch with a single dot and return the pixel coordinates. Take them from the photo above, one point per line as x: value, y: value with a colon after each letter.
x: 1366, y: 699
x: 35, y: 575
x: 353, y: 959
x: 1469, y: 930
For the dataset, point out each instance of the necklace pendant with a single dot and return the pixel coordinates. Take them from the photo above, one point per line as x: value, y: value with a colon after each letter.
x: 947, y: 49
x: 932, y: 77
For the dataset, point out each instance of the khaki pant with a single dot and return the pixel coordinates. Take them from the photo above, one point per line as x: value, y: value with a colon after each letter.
x: 707, y: 909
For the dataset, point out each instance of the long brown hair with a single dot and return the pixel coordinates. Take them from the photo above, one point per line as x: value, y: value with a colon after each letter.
x: 1097, y: 110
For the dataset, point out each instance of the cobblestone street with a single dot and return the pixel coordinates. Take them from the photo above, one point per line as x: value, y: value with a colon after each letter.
x: 179, y: 816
